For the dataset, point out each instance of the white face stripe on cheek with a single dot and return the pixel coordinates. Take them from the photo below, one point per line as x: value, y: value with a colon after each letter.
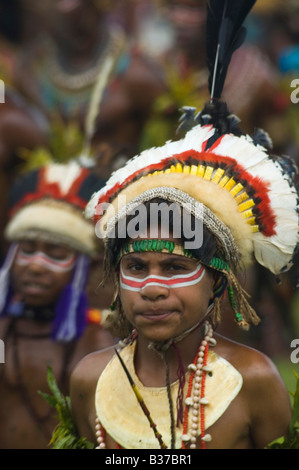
x: 40, y: 258
x: 173, y: 282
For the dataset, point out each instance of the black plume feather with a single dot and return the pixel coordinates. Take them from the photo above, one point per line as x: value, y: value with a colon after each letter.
x: 224, y: 34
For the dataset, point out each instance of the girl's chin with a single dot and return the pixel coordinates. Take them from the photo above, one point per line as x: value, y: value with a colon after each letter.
x: 36, y: 303
x: 157, y: 335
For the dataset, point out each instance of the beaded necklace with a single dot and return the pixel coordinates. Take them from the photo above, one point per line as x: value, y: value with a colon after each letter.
x: 195, y: 399
x: 63, y: 79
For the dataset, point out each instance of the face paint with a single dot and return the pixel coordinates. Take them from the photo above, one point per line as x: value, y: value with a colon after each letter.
x: 40, y: 258
x: 180, y: 280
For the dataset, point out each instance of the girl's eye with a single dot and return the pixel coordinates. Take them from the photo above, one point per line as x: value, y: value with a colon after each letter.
x: 135, y: 267
x: 57, y: 255
x: 57, y: 252
x: 27, y: 249
x: 176, y: 267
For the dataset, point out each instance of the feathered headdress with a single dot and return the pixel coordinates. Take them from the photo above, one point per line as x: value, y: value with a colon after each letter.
x: 225, y: 33
x: 244, y: 195
x: 47, y: 204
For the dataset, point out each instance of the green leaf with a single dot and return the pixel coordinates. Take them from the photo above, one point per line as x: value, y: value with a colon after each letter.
x: 294, y: 425
x: 65, y: 435
x: 291, y: 441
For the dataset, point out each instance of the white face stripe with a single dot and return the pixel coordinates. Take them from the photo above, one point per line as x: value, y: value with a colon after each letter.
x: 40, y: 258
x: 173, y: 282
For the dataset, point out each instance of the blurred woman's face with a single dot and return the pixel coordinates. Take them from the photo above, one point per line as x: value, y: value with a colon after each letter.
x: 188, y: 20
x: 41, y: 271
x: 70, y: 22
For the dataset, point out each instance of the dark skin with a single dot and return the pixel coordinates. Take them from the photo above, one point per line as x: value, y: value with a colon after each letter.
x: 27, y: 420
x: 36, y: 285
x: 79, y: 29
x: 188, y: 54
x: 259, y: 413
x: 19, y: 129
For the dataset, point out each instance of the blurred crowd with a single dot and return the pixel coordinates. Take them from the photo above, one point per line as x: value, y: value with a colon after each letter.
x: 101, y: 80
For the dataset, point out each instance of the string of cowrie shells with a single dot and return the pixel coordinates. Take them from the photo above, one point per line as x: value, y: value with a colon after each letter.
x: 195, y: 399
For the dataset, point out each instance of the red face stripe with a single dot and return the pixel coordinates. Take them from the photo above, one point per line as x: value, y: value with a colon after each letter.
x: 181, y: 280
x: 40, y: 258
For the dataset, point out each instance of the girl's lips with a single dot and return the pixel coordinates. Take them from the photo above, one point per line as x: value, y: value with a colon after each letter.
x: 156, y: 315
x: 34, y: 289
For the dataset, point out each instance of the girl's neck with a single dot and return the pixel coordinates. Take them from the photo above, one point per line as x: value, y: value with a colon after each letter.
x: 150, y: 362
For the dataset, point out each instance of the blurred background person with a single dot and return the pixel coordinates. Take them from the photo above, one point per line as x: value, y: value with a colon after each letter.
x: 251, y: 84
x: 46, y: 315
x: 258, y: 90
x: 84, y: 52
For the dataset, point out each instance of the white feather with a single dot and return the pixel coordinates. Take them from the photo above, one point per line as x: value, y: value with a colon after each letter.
x: 63, y: 175
x: 272, y: 252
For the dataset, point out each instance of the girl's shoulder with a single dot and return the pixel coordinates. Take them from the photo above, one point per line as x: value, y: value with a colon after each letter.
x: 250, y: 362
x: 88, y: 370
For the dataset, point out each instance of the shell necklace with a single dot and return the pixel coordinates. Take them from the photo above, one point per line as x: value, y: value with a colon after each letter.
x: 195, y: 400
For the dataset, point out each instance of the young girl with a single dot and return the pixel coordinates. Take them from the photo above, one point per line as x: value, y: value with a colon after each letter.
x: 173, y: 382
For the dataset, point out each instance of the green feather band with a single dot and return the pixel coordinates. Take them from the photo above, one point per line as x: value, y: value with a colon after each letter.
x: 155, y: 245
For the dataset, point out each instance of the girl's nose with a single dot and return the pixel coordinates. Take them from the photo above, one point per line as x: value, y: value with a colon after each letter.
x: 35, y: 266
x: 154, y: 291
